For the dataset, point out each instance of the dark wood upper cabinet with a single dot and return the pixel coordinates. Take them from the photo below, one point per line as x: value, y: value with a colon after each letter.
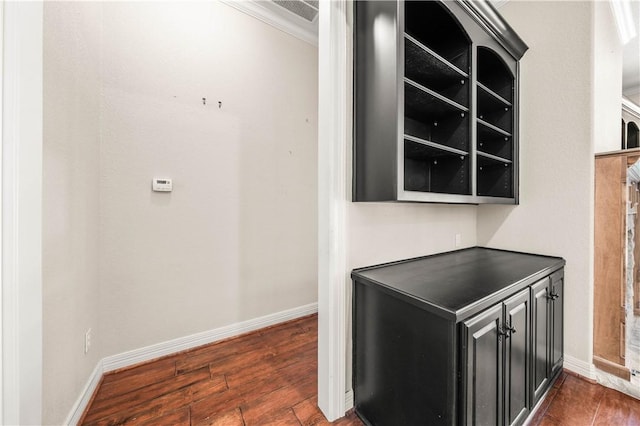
x: 436, y: 103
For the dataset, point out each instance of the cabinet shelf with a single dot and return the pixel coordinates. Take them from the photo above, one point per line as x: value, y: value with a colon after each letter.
x: 495, y: 177
x: 493, y: 129
x: 489, y: 95
x: 444, y: 66
x: 429, y: 101
x: 428, y: 168
x: 494, y: 74
x: 499, y: 146
x: 429, y: 69
x: 454, y: 47
x: 434, y: 145
x: 451, y: 131
x: 430, y: 116
x: 493, y: 157
x: 494, y: 109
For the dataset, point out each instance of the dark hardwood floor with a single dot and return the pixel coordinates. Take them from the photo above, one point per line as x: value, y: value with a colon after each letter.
x: 268, y: 377
x: 574, y: 401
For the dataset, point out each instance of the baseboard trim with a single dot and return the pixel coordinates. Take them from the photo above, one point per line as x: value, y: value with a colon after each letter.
x: 580, y: 367
x: 80, y: 405
x: 148, y: 353
x: 348, y: 400
x: 158, y: 350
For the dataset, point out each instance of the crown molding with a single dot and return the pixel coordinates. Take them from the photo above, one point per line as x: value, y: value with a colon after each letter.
x: 630, y: 107
x: 498, y: 3
x: 279, y: 18
x: 485, y: 13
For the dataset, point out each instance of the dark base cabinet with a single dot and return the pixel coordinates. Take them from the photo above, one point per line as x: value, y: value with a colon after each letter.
x: 470, y: 337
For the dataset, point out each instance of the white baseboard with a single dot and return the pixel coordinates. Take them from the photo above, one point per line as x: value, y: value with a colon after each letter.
x: 148, y: 353
x: 85, y: 396
x: 348, y: 400
x: 580, y: 367
x: 169, y: 347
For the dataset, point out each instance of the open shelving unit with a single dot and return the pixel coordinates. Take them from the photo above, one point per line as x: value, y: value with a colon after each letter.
x: 436, y: 102
x: 436, y: 106
x: 495, y: 124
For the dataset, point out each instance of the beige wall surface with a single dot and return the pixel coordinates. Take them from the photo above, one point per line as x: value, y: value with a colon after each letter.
x: 634, y: 97
x: 555, y: 215
x: 607, y: 79
x: 70, y: 202
x: 237, y: 237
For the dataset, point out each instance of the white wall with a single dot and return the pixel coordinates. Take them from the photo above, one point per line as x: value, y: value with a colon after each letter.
x: 607, y: 79
x: 634, y: 97
x: 235, y: 240
x: 70, y: 201
x: 384, y: 232
x: 21, y: 295
x: 237, y: 237
x: 558, y: 128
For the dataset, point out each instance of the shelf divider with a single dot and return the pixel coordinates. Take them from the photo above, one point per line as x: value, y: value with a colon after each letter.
x: 494, y: 157
x: 494, y: 94
x: 436, y: 95
x: 435, y: 145
x: 492, y: 127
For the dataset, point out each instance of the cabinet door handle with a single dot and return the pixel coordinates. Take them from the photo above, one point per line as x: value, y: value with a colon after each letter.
x: 553, y: 296
x: 504, y: 331
x: 510, y: 329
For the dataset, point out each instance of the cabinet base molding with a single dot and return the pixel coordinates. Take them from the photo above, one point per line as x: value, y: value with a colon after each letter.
x: 612, y: 368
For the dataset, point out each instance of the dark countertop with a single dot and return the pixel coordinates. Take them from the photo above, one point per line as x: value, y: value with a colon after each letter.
x: 460, y: 283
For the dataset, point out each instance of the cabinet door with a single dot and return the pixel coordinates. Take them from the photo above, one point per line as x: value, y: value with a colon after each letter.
x: 516, y: 359
x: 539, y: 338
x: 484, y: 363
x: 557, y: 300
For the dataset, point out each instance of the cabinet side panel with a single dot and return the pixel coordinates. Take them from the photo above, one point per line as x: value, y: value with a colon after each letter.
x: 404, y: 362
x: 376, y: 101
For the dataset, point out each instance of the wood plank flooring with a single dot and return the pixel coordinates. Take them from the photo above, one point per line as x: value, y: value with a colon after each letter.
x: 574, y: 401
x: 268, y: 377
